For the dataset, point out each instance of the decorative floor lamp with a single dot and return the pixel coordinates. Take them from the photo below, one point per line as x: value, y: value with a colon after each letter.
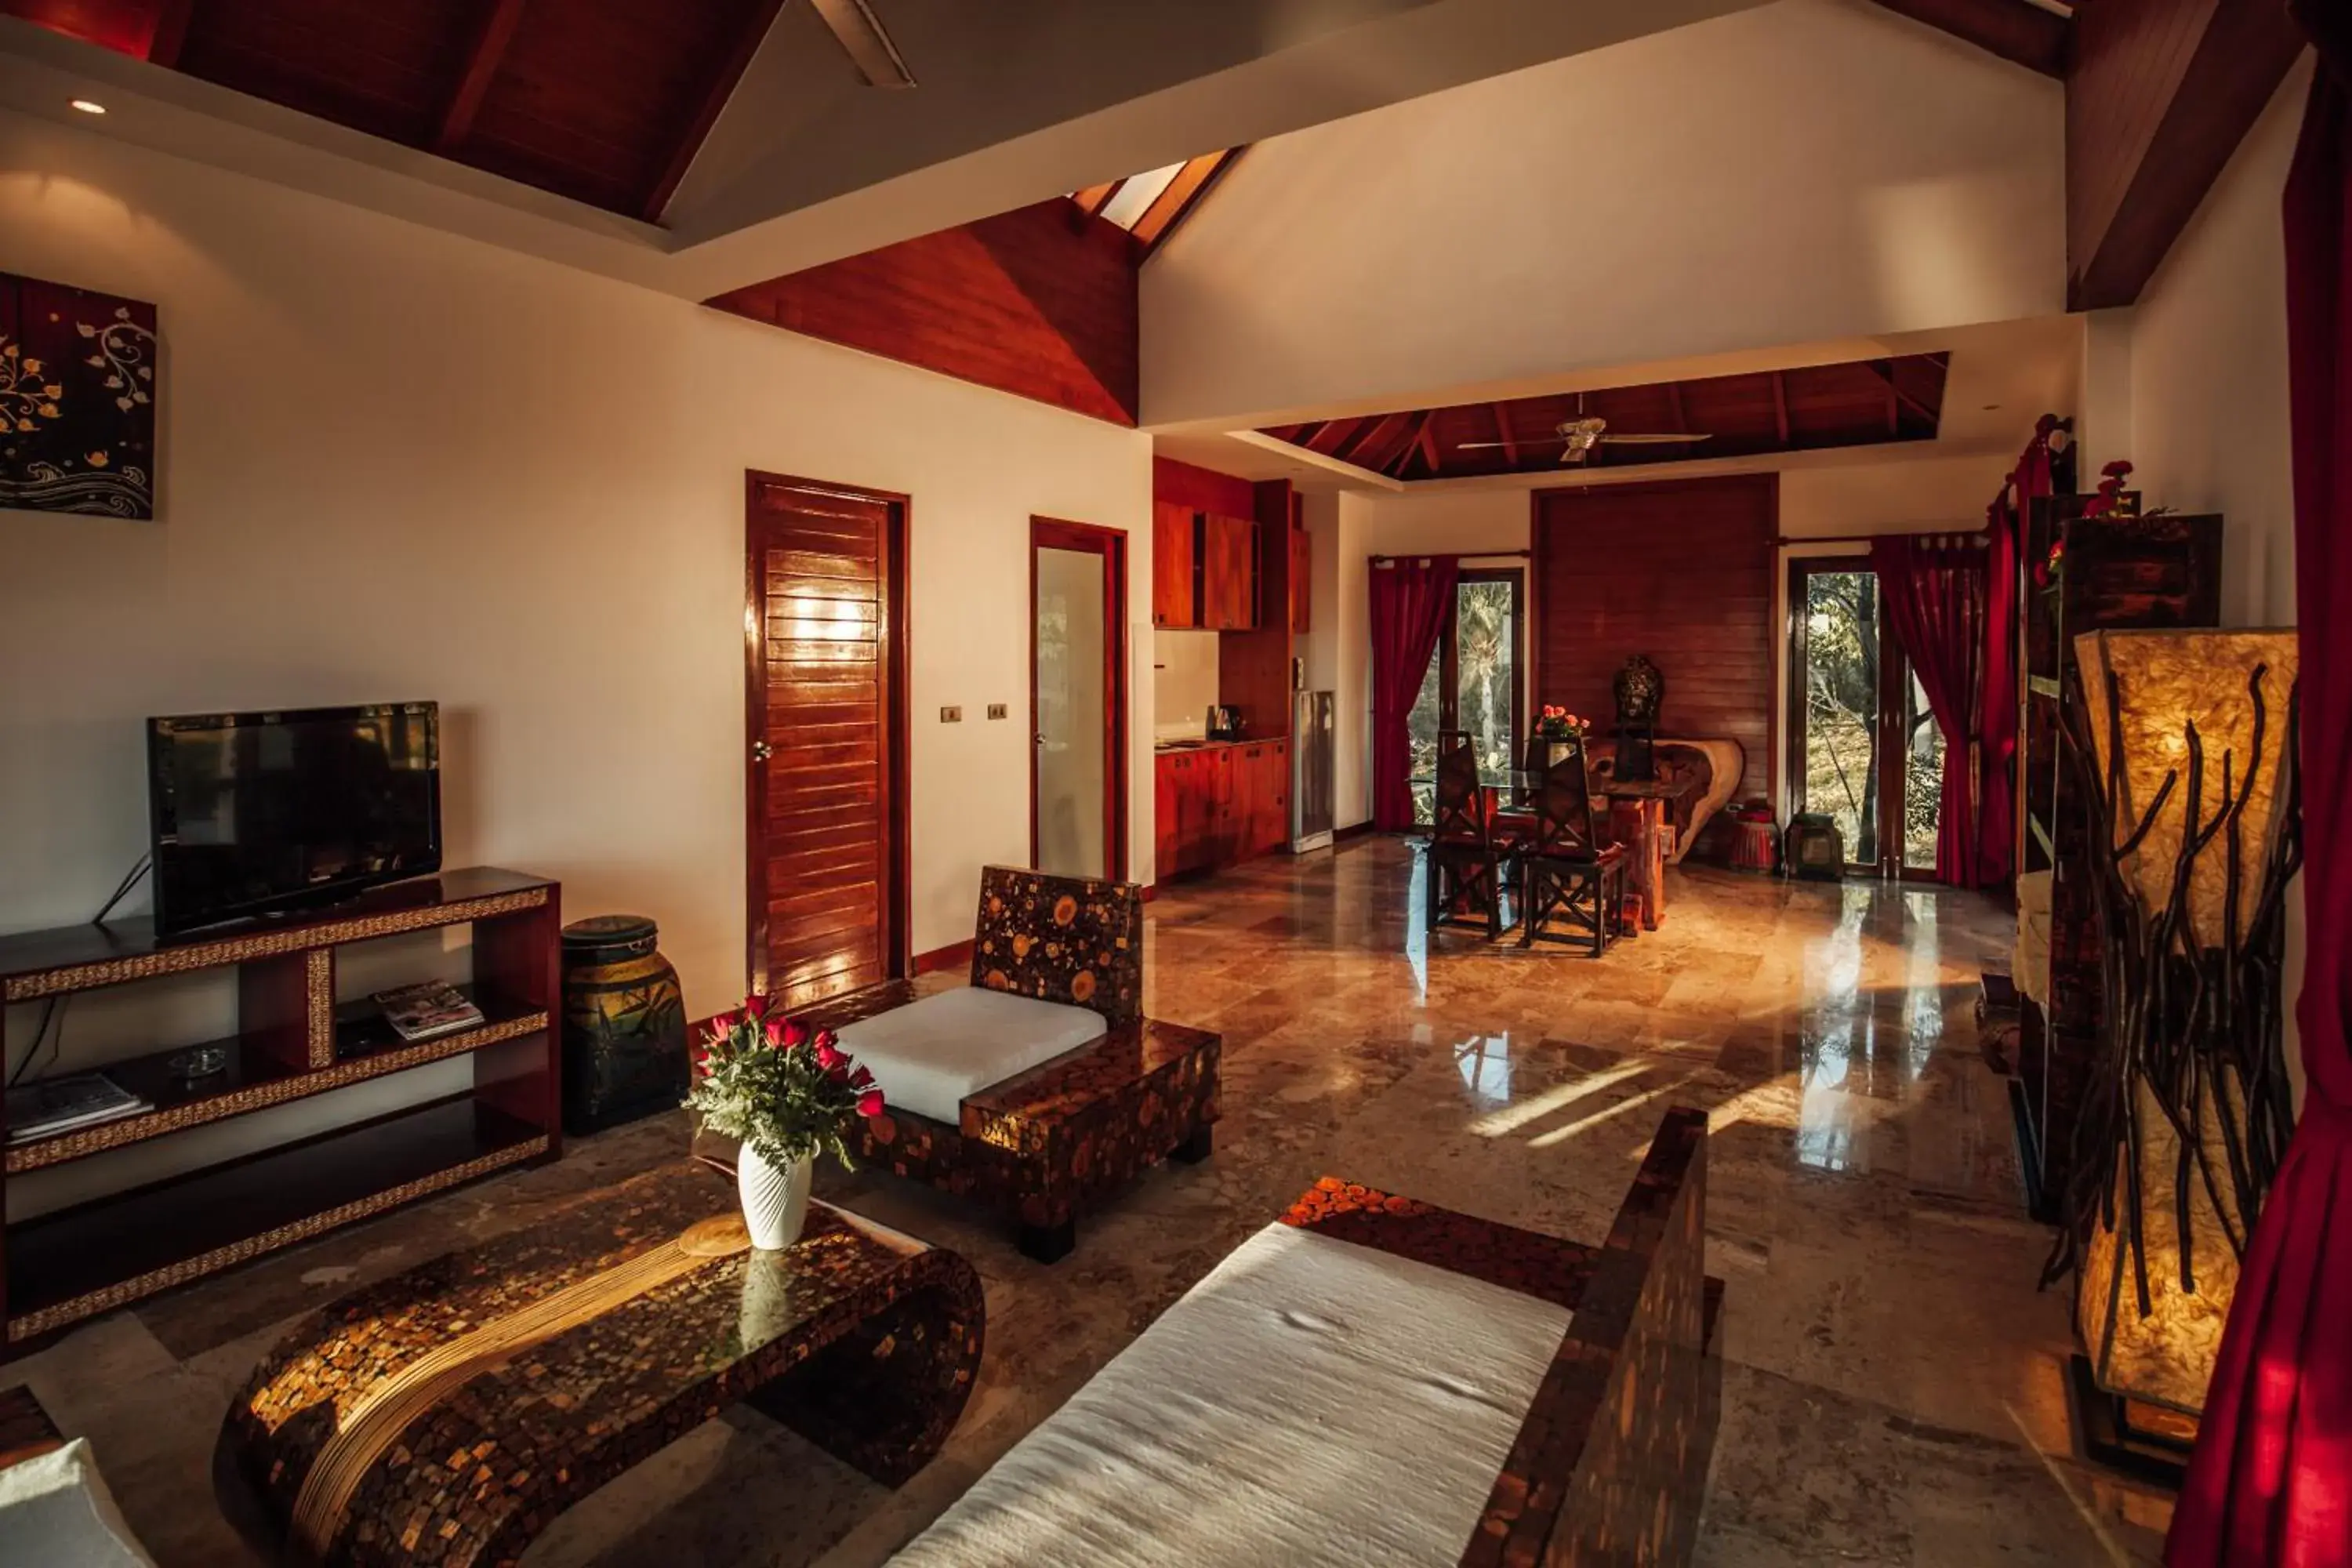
x: 2188, y: 744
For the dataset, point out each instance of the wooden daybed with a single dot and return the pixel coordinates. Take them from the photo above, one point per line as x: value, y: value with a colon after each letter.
x: 1371, y: 1379
x: 985, y: 1103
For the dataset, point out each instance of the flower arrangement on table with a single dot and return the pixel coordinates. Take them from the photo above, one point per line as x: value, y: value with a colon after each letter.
x: 1557, y: 723
x: 787, y: 1094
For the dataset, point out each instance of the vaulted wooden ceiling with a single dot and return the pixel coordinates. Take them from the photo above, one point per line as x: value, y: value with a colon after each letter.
x: 1862, y: 403
x: 606, y: 101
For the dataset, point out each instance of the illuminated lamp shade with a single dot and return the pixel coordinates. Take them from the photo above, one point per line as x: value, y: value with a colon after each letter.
x: 2191, y: 734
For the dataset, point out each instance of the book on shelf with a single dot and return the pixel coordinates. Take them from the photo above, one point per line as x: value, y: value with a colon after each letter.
x: 421, y: 1012
x: 47, y: 1106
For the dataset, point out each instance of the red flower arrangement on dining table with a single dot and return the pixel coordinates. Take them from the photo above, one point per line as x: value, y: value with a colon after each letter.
x: 1557, y: 723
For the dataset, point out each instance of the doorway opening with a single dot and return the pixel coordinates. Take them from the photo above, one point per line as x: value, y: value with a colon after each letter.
x: 1475, y: 682
x: 1864, y: 747
x: 1078, y: 700
x: 824, y: 627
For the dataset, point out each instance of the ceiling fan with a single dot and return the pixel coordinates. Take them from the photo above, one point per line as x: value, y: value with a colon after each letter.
x: 1578, y: 436
x: 878, y: 59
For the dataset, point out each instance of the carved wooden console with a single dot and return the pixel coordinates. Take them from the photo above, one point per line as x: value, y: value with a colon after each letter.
x: 293, y: 1041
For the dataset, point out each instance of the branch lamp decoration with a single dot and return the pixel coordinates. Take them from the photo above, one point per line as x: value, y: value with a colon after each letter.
x: 2186, y: 742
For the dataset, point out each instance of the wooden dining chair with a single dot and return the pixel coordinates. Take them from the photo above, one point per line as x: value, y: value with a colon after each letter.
x: 1569, y: 877
x: 1466, y: 864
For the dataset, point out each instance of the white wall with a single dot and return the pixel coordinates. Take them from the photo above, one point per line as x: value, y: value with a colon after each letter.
x: 1184, y: 682
x: 2207, y: 404
x: 399, y: 464
x: 1808, y: 171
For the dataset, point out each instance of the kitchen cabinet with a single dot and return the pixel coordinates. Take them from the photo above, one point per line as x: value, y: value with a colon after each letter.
x: 1228, y: 573
x: 1221, y: 805
x: 1302, y: 566
x: 1175, y: 592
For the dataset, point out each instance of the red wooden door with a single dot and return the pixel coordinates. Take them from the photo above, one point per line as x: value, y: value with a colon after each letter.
x: 827, y: 835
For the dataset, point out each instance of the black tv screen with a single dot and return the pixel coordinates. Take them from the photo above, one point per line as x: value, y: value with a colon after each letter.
x: 259, y: 813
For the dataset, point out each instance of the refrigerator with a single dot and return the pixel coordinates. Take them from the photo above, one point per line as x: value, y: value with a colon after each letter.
x: 1311, y: 743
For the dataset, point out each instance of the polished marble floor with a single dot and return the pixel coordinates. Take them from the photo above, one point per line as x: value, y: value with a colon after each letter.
x: 1892, y: 1389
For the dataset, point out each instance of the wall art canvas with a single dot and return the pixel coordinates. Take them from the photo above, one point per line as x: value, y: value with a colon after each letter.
x: 77, y: 393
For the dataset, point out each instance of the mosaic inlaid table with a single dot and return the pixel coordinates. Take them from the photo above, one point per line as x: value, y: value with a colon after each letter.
x: 445, y: 1417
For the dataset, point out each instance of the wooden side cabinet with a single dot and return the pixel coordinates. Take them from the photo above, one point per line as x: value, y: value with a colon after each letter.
x: 1221, y: 805
x: 1175, y: 559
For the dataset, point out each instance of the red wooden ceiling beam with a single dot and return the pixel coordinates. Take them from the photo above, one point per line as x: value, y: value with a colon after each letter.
x: 1378, y: 435
x: 170, y: 35
x: 1427, y: 441
x: 490, y: 40
x: 2016, y: 30
x: 2158, y: 94
x: 689, y: 139
x: 1503, y: 434
x: 1172, y: 206
x: 1333, y: 435
x: 1780, y: 408
x: 1094, y: 199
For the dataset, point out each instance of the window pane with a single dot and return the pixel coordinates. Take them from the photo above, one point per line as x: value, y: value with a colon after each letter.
x: 1842, y: 706
x: 1923, y: 778
x: 1487, y: 642
x: 1421, y: 723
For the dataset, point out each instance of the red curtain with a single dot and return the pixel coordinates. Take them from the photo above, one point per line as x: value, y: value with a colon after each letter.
x: 2271, y: 1481
x: 1934, y: 591
x: 1997, y: 698
x: 1410, y: 601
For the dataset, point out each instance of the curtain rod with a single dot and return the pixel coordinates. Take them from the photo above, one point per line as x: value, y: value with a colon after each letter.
x: 1458, y: 554
x: 1866, y: 538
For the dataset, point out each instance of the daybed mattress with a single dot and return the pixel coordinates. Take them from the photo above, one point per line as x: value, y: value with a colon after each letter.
x: 1310, y: 1404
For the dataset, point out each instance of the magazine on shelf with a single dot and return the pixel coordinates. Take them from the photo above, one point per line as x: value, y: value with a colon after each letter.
x: 421, y: 1012
x: 50, y: 1106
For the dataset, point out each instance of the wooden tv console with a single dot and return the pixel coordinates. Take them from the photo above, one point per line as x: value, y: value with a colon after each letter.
x: 293, y: 1042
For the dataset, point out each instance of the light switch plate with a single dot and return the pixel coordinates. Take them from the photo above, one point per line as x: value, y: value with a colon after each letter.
x: 996, y: 711
x: 950, y: 715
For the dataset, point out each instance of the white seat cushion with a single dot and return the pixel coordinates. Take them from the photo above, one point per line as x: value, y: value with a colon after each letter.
x: 56, y: 1512
x: 1311, y: 1404
x: 929, y: 1055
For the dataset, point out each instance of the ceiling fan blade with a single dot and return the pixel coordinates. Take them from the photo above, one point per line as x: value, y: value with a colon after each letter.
x: 1653, y: 441
x: 869, y: 49
x: 1537, y: 441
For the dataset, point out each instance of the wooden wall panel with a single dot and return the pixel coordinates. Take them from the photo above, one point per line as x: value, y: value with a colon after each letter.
x: 1201, y: 489
x: 1040, y: 302
x: 2158, y: 94
x: 1681, y: 572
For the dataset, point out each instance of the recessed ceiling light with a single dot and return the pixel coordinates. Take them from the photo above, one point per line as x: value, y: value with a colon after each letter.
x: 90, y: 106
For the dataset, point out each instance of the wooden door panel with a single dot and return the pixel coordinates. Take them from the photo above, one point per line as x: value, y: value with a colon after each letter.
x: 824, y: 812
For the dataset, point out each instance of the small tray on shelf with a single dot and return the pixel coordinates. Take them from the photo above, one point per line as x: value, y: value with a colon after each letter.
x: 251, y: 1079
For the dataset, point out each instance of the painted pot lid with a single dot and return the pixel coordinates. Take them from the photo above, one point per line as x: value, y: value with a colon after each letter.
x: 609, y: 930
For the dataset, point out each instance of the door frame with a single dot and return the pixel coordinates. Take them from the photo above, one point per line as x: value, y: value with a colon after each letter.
x: 1886, y: 737
x: 1110, y: 543
x: 897, y: 869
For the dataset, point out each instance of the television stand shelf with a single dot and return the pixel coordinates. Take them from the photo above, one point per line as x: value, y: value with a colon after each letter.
x: 293, y: 1042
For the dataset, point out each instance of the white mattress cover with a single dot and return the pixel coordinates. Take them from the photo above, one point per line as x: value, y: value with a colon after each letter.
x: 927, y: 1056
x: 1310, y: 1404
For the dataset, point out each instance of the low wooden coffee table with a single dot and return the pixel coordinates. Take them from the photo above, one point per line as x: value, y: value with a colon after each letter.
x: 447, y: 1415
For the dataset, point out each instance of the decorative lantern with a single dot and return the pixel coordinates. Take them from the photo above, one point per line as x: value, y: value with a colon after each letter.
x: 2188, y: 738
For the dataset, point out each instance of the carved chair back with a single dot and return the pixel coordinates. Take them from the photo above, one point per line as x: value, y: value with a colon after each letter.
x: 1074, y: 939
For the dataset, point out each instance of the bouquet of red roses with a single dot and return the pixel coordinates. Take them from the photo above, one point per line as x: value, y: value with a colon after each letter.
x: 786, y: 1091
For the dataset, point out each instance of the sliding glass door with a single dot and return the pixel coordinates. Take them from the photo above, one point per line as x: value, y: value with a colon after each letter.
x: 1473, y: 681
x: 1864, y: 748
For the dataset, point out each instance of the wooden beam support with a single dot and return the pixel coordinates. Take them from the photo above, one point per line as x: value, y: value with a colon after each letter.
x: 1674, y: 402
x: 1094, y: 199
x: 2016, y: 30
x: 1334, y: 435
x: 2158, y: 95
x: 1886, y: 373
x: 1503, y: 434
x: 490, y: 39
x: 1359, y: 449
x: 730, y: 69
x: 1174, y: 204
x: 1885, y: 370
x: 1428, y: 443
x: 1780, y: 408
x: 169, y: 33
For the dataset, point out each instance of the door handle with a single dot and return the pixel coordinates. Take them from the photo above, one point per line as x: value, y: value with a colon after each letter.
x: 762, y: 751
x: 1037, y: 740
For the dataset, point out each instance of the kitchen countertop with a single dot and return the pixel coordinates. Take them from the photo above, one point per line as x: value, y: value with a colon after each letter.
x: 1161, y: 748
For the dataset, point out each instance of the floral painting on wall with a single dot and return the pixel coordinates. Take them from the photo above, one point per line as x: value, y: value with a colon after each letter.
x: 77, y: 400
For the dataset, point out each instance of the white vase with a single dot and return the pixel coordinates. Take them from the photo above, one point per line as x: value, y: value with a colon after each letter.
x: 775, y: 1197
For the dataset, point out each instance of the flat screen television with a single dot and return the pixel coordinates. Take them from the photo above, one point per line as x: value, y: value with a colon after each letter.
x: 264, y: 814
